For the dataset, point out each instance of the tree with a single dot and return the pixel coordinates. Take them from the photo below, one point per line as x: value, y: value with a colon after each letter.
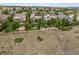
x: 65, y: 25
x: 74, y: 19
x: 58, y: 23
x: 49, y: 23
x: 53, y: 21
x: 27, y: 26
x: 43, y: 23
x: 29, y: 12
x: 5, y: 12
x: 12, y: 26
x: 38, y: 24
x: 9, y: 25
x: 3, y: 26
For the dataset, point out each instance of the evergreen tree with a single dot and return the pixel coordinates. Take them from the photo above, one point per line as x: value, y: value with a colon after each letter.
x: 38, y: 24
x: 9, y: 25
x: 74, y: 19
x: 27, y: 26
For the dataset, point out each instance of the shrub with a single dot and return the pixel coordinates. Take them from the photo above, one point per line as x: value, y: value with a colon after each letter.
x: 74, y: 19
x: 12, y: 26
x: 38, y: 24
x: 27, y: 26
x: 19, y: 40
x: 9, y: 25
x: 5, y: 12
x: 39, y: 38
x: 3, y: 26
x: 65, y: 28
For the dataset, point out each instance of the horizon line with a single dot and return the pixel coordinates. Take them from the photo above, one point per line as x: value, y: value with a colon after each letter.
x: 42, y: 4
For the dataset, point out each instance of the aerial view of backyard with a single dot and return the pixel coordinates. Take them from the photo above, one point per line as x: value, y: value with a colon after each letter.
x: 39, y: 29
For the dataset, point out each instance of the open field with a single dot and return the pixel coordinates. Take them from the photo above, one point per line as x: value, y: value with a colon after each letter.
x: 54, y: 42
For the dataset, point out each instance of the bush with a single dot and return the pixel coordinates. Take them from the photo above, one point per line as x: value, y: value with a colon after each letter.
x: 27, y: 26
x: 3, y: 26
x: 12, y: 26
x: 39, y: 38
x: 9, y: 25
x: 5, y: 12
x: 66, y: 28
x: 39, y: 24
x: 19, y: 40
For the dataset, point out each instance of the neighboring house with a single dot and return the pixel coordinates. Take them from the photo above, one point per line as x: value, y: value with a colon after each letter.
x: 66, y: 17
x: 35, y: 17
x: 19, y: 17
x: 61, y: 16
x: 3, y: 17
x: 49, y: 16
x: 44, y: 12
x: 71, y: 16
x: 5, y: 8
x: 34, y: 12
x: 10, y: 9
x: 18, y: 8
x: 12, y: 12
x: 34, y: 9
x: 32, y: 15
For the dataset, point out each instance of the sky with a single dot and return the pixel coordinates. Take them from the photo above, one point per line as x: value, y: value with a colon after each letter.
x: 42, y: 4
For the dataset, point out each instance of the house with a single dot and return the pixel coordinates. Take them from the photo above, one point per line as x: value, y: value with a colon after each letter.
x: 18, y: 8
x: 68, y: 18
x: 34, y: 12
x: 71, y: 16
x: 12, y: 12
x: 65, y: 17
x: 35, y: 17
x: 61, y: 16
x: 10, y: 8
x: 34, y: 9
x: 3, y: 17
x: 5, y: 8
x: 20, y: 17
x: 49, y: 16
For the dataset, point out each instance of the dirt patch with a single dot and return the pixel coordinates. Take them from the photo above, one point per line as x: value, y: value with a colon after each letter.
x: 53, y: 41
